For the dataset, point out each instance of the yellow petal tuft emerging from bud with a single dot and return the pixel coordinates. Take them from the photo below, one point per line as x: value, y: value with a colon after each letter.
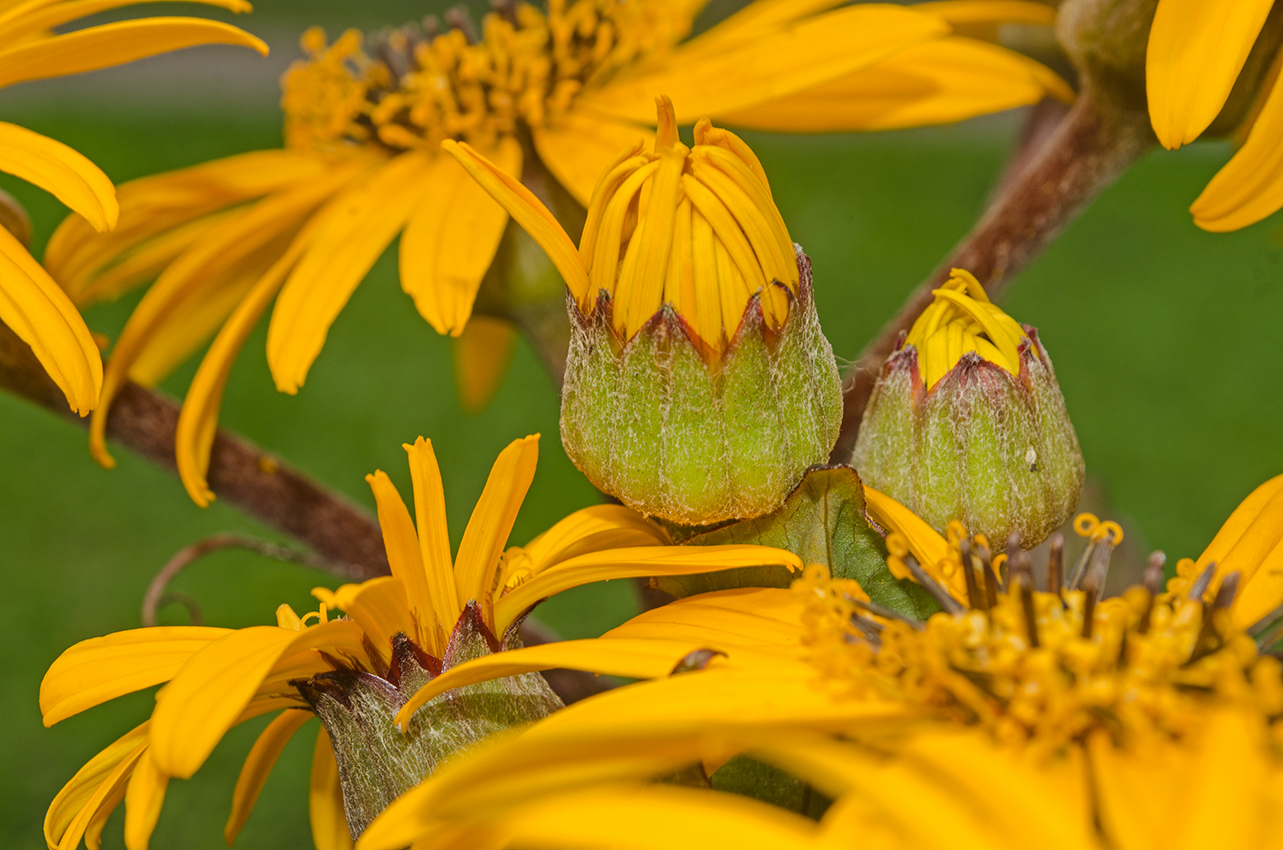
x: 963, y: 319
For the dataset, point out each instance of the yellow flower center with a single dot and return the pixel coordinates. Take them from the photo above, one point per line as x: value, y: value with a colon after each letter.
x: 1046, y: 667
x: 961, y: 320
x: 413, y: 90
x: 695, y: 227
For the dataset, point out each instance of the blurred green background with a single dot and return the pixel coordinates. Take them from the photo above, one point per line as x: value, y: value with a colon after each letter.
x: 1166, y: 341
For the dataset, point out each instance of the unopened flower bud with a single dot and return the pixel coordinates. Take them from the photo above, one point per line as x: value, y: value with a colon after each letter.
x: 699, y: 386
x: 967, y: 423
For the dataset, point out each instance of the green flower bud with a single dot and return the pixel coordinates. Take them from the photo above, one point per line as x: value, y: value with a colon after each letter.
x: 967, y: 423
x: 698, y: 387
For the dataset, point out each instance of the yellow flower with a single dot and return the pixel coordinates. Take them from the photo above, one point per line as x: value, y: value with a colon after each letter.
x: 549, y: 96
x: 415, y: 621
x: 1015, y: 718
x: 1197, y: 48
x: 31, y: 303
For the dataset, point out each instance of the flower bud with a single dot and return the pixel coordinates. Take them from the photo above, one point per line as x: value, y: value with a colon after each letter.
x: 699, y: 386
x: 967, y: 423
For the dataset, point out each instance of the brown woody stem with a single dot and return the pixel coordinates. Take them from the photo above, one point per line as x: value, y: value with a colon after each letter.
x: 1092, y: 147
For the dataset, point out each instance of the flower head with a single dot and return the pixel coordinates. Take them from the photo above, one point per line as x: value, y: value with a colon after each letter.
x: 547, y: 95
x: 357, y: 671
x: 1017, y: 716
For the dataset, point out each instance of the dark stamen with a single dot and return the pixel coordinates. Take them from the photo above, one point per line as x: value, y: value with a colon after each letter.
x: 871, y: 630
x: 969, y: 574
x: 1090, y: 591
x: 885, y: 613
x: 460, y: 18
x: 1022, y: 574
x: 991, y: 580
x: 1204, y: 581
x: 1209, y: 638
x: 1263, y: 624
x: 1153, y: 582
x: 1056, y: 564
x: 1079, y: 571
x: 1099, y: 566
x: 941, y: 595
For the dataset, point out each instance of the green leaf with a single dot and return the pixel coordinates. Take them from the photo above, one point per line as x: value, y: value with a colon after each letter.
x: 823, y: 522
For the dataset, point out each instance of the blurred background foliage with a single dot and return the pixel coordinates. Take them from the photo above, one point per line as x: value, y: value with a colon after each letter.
x: 1166, y: 340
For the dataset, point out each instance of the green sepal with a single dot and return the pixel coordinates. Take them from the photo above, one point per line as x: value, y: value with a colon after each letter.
x: 822, y: 522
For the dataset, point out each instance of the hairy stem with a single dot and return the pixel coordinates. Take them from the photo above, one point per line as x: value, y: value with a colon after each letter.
x: 1090, y: 149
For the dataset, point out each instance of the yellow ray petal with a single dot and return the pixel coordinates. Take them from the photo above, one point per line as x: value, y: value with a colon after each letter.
x: 529, y: 212
x: 481, y: 355
x: 379, y: 609
x: 759, y: 617
x: 1222, y: 801
x: 258, y: 764
x: 761, y: 18
x: 1252, y: 541
x: 325, y: 799
x: 451, y: 239
x: 434, y: 537
x: 99, y: 669
x: 114, y: 44
x: 358, y: 226
x: 43, y: 317
x: 945, y: 80
x: 926, y: 545
x: 491, y: 523
x: 1250, y: 186
x: 203, y: 267
x: 91, y: 788
x: 143, y: 798
x: 151, y: 206
x: 630, y: 659
x: 1135, y: 789
x: 749, y: 71
x: 27, y: 18
x: 655, y: 817
x: 990, y: 11
x: 593, y: 529
x: 1196, y: 49
x: 213, y: 688
x: 578, y: 148
x: 404, y: 555
x: 632, y: 563
x: 66, y: 174
x: 198, y: 418
x: 1240, y: 520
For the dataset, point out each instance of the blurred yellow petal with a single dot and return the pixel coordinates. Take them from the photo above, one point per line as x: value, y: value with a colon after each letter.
x: 759, y: 617
x: 23, y: 20
x: 451, y: 239
x: 491, y: 523
x: 990, y: 11
x: 1135, y: 789
x: 750, y: 71
x: 631, y: 659
x: 99, y: 669
x: 529, y: 212
x: 198, y: 418
x: 358, y: 226
x: 143, y: 798
x: 642, y: 817
x: 325, y: 799
x: 202, y: 268
x: 1196, y: 49
x: 258, y: 764
x: 43, y: 317
x: 66, y: 174
x: 592, y: 529
x: 1250, y: 186
x: 580, y: 146
x: 945, y: 80
x: 405, y: 556
x: 434, y: 538
x: 93, y: 788
x: 1223, y: 797
x: 481, y: 356
x: 633, y: 563
x: 764, y: 16
x: 114, y: 44
x: 151, y: 206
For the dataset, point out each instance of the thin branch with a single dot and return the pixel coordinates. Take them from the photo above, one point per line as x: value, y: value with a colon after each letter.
x: 1091, y: 148
x: 240, y: 473
x: 156, y: 595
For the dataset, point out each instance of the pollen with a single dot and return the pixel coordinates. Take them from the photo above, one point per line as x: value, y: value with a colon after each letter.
x: 414, y: 87
x: 694, y: 227
x: 1046, y: 667
x: 959, y: 321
